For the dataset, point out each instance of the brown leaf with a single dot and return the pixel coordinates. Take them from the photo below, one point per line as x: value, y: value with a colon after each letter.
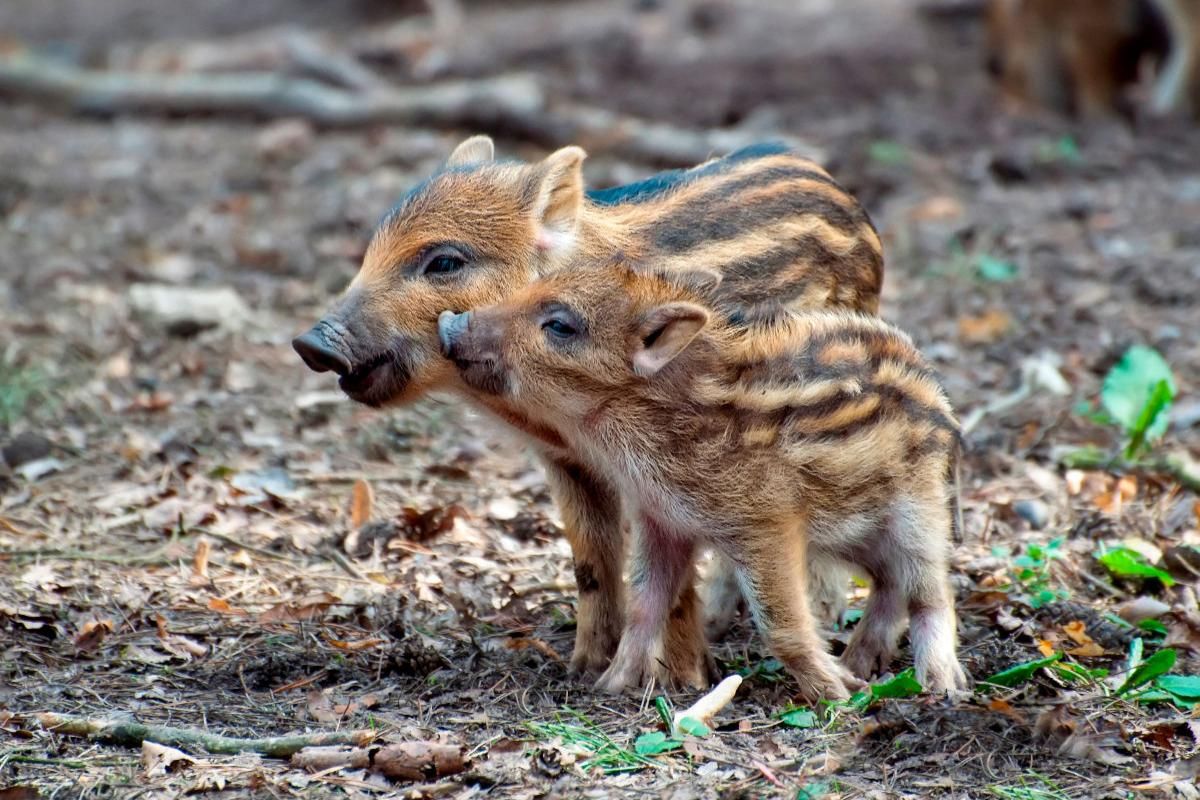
x: 302, y: 611
x: 92, y: 634
x: 420, y: 526
x: 361, y: 502
x: 1089, y: 650
x: 222, y: 606
x: 183, y: 647
x: 19, y: 793
x: 984, y: 328
x: 361, y: 644
x: 158, y: 759
x: 200, y: 562
x: 1078, y: 632
x: 526, y: 642
x: 321, y: 707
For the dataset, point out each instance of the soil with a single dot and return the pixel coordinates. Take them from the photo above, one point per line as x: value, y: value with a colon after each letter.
x: 130, y: 437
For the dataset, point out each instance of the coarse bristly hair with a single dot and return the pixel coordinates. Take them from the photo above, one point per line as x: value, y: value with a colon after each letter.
x: 819, y: 433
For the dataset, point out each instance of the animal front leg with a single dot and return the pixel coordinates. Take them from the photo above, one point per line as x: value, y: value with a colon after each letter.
x: 663, y: 563
x: 595, y: 529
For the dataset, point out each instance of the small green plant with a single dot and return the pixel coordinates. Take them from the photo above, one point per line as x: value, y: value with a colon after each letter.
x: 1136, y: 397
x: 889, y: 153
x: 576, y: 731
x: 1064, y: 149
x: 20, y: 387
x: 1021, y: 673
x: 1031, y: 576
x: 769, y: 670
x: 1124, y: 562
x: 1034, y: 787
x: 903, y: 684
x: 980, y: 265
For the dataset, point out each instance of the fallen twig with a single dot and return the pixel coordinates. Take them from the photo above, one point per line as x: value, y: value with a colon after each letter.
x: 1174, y: 465
x: 132, y: 734
x: 412, y: 761
x: 514, y: 104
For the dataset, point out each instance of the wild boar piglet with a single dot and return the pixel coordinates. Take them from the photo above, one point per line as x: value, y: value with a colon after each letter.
x: 810, y: 435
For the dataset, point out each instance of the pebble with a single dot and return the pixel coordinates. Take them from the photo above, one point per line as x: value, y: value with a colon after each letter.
x: 25, y: 448
x: 1035, y: 512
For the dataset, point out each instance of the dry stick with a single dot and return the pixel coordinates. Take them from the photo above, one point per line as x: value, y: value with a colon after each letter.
x: 413, y: 761
x: 511, y: 103
x: 1185, y: 471
x: 132, y: 734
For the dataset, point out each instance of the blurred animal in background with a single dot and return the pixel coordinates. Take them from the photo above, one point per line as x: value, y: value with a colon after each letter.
x: 1088, y: 58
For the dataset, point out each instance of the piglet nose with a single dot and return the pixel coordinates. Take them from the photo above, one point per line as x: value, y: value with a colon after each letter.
x: 451, y: 326
x: 318, y: 354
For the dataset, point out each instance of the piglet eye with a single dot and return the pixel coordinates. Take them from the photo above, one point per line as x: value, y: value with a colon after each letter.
x: 558, y: 328
x: 444, y: 264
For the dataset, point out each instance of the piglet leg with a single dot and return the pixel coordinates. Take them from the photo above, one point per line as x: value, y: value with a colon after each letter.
x: 774, y: 578
x: 663, y: 567
x: 594, y: 527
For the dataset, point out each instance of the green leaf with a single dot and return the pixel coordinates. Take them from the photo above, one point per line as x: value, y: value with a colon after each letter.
x: 1076, y: 673
x: 1135, y: 653
x: 798, y: 718
x: 1183, y: 686
x: 693, y: 727
x: 814, y: 791
x: 655, y: 743
x: 1158, y: 664
x: 1131, y: 390
x: 905, y: 684
x: 1127, y: 563
x: 1153, y: 626
x: 1021, y: 673
x: 1152, y: 422
x: 995, y: 269
x: 887, y: 152
x: 663, y: 706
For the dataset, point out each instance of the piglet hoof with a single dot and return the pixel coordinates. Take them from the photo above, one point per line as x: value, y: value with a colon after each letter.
x: 817, y: 687
x: 588, y: 661
x: 866, y: 659
x: 946, y: 676
x: 618, y: 681
x: 698, y: 671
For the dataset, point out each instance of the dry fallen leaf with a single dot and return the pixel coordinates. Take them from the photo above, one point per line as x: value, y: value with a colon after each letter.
x: 222, y: 606
x: 361, y: 502
x: 200, y: 562
x: 984, y: 328
x: 300, y: 611
x: 158, y: 759
x: 361, y: 644
x: 92, y: 634
x: 321, y: 707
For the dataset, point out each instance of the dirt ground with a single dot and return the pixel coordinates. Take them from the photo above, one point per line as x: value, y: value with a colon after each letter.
x: 1010, y: 241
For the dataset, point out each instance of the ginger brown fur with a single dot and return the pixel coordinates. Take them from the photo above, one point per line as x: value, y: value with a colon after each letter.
x: 771, y: 230
x: 1082, y: 57
x: 813, y: 434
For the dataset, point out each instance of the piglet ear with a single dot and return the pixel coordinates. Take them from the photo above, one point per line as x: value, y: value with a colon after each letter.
x: 476, y: 150
x: 559, y: 197
x: 664, y: 333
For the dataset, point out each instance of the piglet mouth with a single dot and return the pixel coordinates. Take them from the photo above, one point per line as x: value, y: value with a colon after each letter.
x: 376, y: 381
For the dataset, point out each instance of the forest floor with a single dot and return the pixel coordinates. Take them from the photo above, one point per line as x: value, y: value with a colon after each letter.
x: 176, y: 543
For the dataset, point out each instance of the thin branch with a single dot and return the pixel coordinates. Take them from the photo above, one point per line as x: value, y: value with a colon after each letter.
x: 132, y: 734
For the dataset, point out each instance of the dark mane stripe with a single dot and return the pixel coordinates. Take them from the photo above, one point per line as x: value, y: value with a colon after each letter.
x: 662, y: 182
